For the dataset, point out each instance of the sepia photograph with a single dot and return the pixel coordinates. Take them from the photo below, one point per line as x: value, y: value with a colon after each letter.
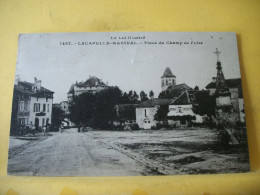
x: 127, y: 104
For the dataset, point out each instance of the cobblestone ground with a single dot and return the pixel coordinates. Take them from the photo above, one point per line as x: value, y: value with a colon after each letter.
x: 125, y: 153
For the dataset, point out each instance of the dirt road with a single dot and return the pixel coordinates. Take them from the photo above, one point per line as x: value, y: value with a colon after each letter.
x: 127, y: 153
x: 73, y: 154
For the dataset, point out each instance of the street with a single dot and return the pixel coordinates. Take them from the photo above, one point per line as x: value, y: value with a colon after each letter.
x: 124, y: 153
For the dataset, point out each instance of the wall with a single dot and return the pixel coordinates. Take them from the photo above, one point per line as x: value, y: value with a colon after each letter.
x: 140, y: 117
x: 33, y: 114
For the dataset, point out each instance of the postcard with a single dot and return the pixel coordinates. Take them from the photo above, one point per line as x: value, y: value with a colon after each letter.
x: 127, y: 104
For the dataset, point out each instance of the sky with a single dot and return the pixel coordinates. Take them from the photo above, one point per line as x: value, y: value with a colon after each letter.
x: 61, y: 59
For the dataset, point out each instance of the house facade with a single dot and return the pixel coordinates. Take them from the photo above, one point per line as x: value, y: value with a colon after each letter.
x: 146, y: 111
x: 32, y: 106
x: 91, y: 85
x: 181, y: 110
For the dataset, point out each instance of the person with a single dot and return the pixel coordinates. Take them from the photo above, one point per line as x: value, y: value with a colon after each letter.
x: 44, y: 130
x: 61, y: 128
x: 47, y: 128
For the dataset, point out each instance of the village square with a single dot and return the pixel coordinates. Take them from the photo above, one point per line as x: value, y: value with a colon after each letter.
x: 103, y: 131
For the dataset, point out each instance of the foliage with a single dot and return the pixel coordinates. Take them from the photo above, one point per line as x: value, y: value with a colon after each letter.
x: 196, y: 88
x: 143, y: 96
x: 57, y: 116
x: 161, y: 114
x: 165, y: 95
x: 129, y: 98
x: 205, y: 103
x: 95, y: 110
x: 151, y: 94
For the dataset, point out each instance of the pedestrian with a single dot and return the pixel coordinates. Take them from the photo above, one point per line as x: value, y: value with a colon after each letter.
x: 44, y: 130
x: 61, y: 128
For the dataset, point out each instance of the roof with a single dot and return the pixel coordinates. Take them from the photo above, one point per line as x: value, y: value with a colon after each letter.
x: 184, y: 99
x: 176, y: 90
x: 231, y: 83
x: 167, y: 73
x: 92, y: 82
x: 71, y: 90
x: 123, y: 107
x: 154, y: 102
x: 28, y: 89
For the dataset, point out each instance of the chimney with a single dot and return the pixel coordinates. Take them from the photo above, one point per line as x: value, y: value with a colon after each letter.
x: 37, y: 84
x: 214, y: 79
x: 17, y: 79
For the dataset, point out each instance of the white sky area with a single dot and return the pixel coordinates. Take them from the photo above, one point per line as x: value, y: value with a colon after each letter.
x: 130, y: 67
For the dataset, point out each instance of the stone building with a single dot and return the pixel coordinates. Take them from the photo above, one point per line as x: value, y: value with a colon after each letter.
x: 32, y: 106
x: 91, y: 85
x: 146, y: 111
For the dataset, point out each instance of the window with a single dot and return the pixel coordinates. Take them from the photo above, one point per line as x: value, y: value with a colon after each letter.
x: 36, y: 107
x: 145, y: 112
x: 180, y: 109
x: 44, y: 108
x: 21, y: 106
x: 43, y: 121
x: 166, y: 82
x: 48, y: 108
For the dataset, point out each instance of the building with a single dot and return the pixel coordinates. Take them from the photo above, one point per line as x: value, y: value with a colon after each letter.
x: 167, y: 79
x: 181, y: 110
x: 91, y: 85
x: 236, y: 96
x: 146, y: 111
x: 229, y: 97
x: 64, y: 106
x: 32, y: 106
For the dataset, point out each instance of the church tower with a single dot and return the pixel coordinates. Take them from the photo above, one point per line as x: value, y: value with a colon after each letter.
x: 167, y: 79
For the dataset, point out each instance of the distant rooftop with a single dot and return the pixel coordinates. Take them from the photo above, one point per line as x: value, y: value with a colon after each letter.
x: 28, y: 89
x: 154, y: 102
x: 91, y: 82
x: 167, y: 73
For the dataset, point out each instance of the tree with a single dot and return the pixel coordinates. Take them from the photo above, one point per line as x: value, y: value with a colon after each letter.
x: 143, y: 96
x: 95, y: 110
x: 205, y: 103
x: 196, y: 88
x: 161, y: 114
x: 82, y: 109
x: 165, y: 95
x: 105, y: 106
x: 56, y: 117
x: 151, y: 94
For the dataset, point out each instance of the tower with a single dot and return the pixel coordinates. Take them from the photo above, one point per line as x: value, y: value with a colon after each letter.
x: 223, y: 99
x: 221, y: 86
x: 167, y: 79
